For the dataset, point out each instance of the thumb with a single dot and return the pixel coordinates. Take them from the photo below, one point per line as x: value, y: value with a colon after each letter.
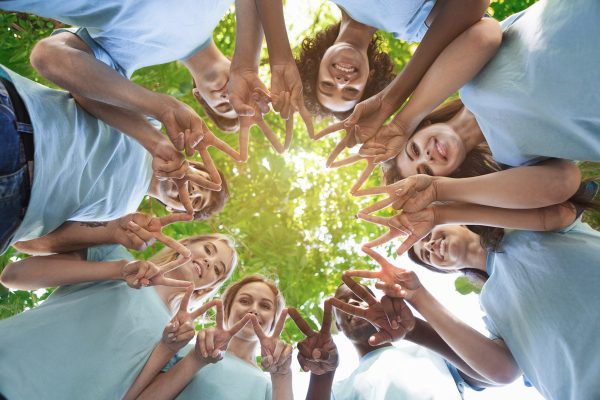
x: 242, y: 109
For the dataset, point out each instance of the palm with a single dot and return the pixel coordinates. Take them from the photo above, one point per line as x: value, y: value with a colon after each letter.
x: 367, y: 119
x: 276, y: 354
x: 415, y: 193
x: 385, y: 144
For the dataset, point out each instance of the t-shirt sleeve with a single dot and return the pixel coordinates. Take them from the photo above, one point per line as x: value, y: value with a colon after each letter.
x: 461, y: 384
x: 491, y: 328
x: 99, y: 52
x: 108, y: 252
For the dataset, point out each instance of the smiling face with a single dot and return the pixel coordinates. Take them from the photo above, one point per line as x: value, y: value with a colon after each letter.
x: 343, y: 75
x: 435, y: 150
x: 212, y: 261
x: 358, y: 330
x: 213, y: 89
x: 168, y: 194
x: 446, y: 247
x: 256, y: 298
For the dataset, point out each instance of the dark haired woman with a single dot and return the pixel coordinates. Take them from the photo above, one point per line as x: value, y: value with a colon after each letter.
x: 540, y: 298
x: 342, y: 65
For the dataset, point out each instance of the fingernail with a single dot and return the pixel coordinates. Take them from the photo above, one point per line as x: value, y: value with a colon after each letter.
x: 170, y: 335
x: 394, y: 325
x: 136, y: 282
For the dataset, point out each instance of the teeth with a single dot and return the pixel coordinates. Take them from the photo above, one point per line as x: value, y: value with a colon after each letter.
x: 344, y: 68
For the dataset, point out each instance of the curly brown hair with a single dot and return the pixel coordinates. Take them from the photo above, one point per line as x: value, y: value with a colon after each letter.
x: 478, y: 161
x: 309, y: 60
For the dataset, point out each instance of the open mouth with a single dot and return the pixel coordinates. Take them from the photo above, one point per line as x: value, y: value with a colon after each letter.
x: 345, y: 68
x: 442, y: 150
x: 198, y: 269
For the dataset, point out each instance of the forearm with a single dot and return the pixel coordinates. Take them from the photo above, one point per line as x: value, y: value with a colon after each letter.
x: 272, y: 20
x: 70, y: 236
x: 319, y: 387
x: 282, y: 386
x: 549, y: 218
x: 56, y: 270
x: 249, y: 35
x: 424, y: 335
x: 545, y: 184
x: 68, y: 62
x: 131, y: 123
x: 456, y: 65
x: 453, y: 18
x: 168, y: 385
x: 158, y: 359
x: 491, y: 360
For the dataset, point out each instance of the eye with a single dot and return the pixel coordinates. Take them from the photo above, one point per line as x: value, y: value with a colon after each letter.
x: 327, y: 84
x: 352, y: 91
x: 244, y: 301
x: 415, y: 149
x: 217, y: 271
x: 208, y: 250
x: 266, y: 306
x: 427, y: 256
x: 427, y: 238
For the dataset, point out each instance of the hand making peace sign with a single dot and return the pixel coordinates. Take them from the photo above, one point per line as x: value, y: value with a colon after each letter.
x: 318, y: 352
x: 392, y: 318
x: 212, y: 341
x: 145, y: 273
x: 276, y: 354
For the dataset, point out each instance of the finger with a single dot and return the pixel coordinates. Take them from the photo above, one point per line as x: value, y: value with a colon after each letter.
x: 300, y: 322
x: 381, y: 204
x: 142, y: 233
x: 287, y: 106
x: 135, y: 242
x: 402, y: 223
x: 185, y: 336
x: 210, y: 341
x: 376, y: 256
x: 142, y: 268
x: 202, y: 343
x: 242, y: 109
x: 280, y: 323
x: 407, y: 243
x: 303, y: 363
x: 364, y: 274
x: 388, y: 309
x: 359, y: 289
x: 201, y: 310
x: 289, y: 128
x: 380, y: 337
x: 260, y: 334
x: 355, y: 116
x: 285, y: 355
x: 374, y: 219
x: 219, y: 316
x: 174, y: 244
x: 386, y: 237
x: 390, y: 289
x: 331, y: 159
x: 330, y: 129
x: 239, y: 325
x: 185, y: 300
x: 280, y: 346
x: 348, y: 308
x: 307, y: 118
x: 327, y: 311
x: 202, y: 181
x: 209, y: 164
x: 190, y: 142
x: 176, y: 217
x: 170, y: 266
x: 164, y: 281
x: 304, y: 348
x: 389, y: 154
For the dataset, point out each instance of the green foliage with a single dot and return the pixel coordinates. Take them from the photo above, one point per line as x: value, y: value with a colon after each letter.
x: 292, y: 219
x: 464, y: 286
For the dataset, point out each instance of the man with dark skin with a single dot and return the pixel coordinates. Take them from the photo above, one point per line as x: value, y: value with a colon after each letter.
x: 371, y: 325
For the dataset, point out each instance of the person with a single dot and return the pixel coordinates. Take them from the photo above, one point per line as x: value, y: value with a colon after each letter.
x: 370, y: 325
x: 226, y: 352
x: 94, y: 319
x: 523, y: 275
x: 83, y: 189
x: 496, y: 112
x: 106, y: 46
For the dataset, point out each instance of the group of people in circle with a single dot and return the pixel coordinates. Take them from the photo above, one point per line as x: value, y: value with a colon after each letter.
x: 486, y: 185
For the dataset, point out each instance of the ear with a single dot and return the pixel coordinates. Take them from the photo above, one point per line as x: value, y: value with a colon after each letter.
x: 371, y: 73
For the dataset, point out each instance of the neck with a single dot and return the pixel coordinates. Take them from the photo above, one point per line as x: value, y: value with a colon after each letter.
x: 365, y: 348
x: 167, y: 293
x: 153, y: 189
x: 466, y: 126
x: 354, y: 33
x: 476, y: 254
x: 243, y: 348
x: 202, y: 64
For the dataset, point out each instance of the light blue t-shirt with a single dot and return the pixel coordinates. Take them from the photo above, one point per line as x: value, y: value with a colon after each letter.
x: 136, y: 33
x: 539, y: 96
x: 229, y: 379
x: 404, y: 19
x: 406, y: 372
x: 86, y: 341
x: 542, y: 299
x: 84, y: 170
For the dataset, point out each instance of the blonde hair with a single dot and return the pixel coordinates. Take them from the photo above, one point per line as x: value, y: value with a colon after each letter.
x: 233, y: 289
x: 167, y: 255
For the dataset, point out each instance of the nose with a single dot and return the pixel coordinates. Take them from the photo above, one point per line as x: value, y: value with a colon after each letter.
x: 342, y: 80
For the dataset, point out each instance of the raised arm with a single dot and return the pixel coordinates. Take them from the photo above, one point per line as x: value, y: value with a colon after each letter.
x: 67, y: 61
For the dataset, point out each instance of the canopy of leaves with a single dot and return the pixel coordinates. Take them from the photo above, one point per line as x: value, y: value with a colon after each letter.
x: 293, y: 220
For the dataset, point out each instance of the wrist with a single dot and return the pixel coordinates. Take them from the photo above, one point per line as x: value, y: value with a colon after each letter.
x: 419, y: 298
x: 116, y: 270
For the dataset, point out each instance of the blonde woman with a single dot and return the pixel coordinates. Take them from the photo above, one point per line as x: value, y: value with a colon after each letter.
x: 92, y: 337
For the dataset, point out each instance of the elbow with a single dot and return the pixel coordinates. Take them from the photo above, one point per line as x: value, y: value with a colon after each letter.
x: 10, y: 277
x: 45, y: 58
x: 485, y: 36
x: 559, y: 216
x: 505, y: 376
x: 567, y: 179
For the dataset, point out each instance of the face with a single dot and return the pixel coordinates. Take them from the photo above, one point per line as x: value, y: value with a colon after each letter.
x: 446, y: 247
x: 211, y: 262
x: 199, y: 196
x: 342, y: 78
x: 213, y: 89
x: 256, y: 298
x: 434, y: 150
x: 356, y: 329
